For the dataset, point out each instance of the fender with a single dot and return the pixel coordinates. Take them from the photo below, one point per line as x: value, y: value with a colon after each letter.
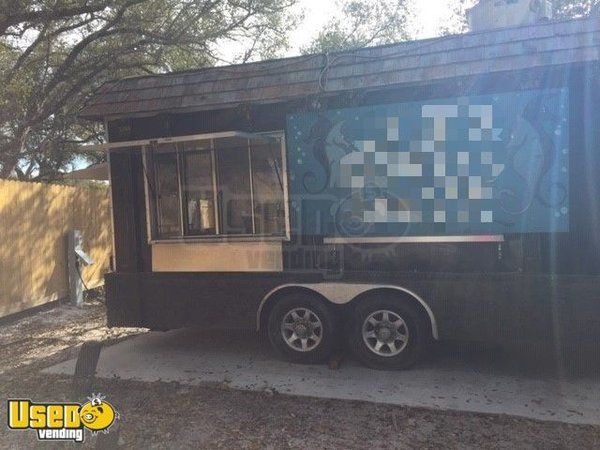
x: 343, y: 293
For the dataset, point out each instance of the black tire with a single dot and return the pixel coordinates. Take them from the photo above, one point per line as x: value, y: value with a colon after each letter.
x: 328, y: 333
x: 414, y: 323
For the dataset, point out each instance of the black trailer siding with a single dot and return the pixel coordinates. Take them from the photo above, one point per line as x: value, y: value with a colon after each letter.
x: 132, y: 251
x: 578, y: 251
x: 210, y: 299
x: 500, y: 308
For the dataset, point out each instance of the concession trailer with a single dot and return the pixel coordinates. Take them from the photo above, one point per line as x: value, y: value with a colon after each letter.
x: 389, y: 196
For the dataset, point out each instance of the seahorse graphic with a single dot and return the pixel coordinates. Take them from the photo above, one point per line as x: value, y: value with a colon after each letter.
x: 531, y: 154
x: 329, y: 145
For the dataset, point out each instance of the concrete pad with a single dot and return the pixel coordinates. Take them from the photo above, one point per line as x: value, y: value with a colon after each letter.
x: 242, y: 361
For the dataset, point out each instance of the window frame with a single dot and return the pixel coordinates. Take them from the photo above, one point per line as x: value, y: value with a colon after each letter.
x: 149, y: 176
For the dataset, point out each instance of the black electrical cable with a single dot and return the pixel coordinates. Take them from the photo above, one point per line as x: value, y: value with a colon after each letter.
x: 81, y: 277
x: 336, y: 56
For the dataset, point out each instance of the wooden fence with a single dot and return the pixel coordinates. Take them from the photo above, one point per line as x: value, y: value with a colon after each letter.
x: 34, y: 221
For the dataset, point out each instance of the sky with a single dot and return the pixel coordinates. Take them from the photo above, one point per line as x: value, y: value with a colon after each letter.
x: 429, y: 15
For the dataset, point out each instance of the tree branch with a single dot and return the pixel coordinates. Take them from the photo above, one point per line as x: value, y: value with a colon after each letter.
x: 11, y: 17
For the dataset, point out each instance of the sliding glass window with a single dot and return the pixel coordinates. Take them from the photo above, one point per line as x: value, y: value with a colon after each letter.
x: 168, y: 207
x: 267, y: 190
x: 198, y: 189
x: 235, y: 189
x: 229, y: 186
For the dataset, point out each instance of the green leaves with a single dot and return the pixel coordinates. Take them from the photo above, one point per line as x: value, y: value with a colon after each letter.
x: 363, y: 23
x: 569, y: 9
x: 54, y: 53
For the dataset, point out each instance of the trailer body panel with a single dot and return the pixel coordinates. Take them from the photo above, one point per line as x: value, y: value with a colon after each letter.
x: 534, y: 286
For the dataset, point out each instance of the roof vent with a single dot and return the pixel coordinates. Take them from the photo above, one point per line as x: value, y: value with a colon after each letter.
x: 491, y: 14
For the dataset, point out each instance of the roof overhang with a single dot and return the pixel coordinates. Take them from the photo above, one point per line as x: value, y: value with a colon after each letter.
x: 98, y: 172
x: 417, y: 62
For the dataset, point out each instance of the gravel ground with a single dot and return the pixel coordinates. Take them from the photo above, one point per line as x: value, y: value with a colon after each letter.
x: 167, y: 415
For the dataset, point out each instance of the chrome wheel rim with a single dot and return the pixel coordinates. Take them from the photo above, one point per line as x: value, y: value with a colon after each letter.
x: 385, y: 333
x: 302, y: 329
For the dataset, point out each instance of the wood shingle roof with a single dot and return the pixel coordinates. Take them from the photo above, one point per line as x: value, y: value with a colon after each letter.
x: 547, y: 44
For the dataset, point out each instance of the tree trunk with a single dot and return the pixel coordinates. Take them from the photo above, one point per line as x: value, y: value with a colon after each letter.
x: 8, y: 165
x: 11, y: 153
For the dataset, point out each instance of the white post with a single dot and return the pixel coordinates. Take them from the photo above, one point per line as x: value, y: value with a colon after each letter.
x: 75, y: 283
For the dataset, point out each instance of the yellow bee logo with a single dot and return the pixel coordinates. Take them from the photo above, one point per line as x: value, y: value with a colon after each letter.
x: 97, y: 414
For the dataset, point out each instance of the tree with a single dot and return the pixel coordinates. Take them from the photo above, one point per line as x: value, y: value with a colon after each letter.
x: 563, y: 9
x: 54, y: 53
x: 363, y: 23
x: 457, y: 23
x: 571, y: 9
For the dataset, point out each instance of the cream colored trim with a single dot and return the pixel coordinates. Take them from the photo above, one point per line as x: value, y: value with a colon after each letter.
x: 412, y: 239
x: 181, y: 193
x: 149, y: 215
x: 251, y: 180
x: 252, y: 256
x: 342, y: 293
x: 213, y: 170
x: 191, y: 137
x: 220, y: 238
x: 286, y: 195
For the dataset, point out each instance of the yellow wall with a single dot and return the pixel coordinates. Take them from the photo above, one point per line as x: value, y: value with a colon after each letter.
x: 253, y: 256
x: 34, y: 221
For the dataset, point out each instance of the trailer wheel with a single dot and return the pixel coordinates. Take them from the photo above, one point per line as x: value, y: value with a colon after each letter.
x: 387, y: 332
x: 302, y: 328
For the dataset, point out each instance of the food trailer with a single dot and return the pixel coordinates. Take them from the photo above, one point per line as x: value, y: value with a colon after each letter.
x: 382, y: 197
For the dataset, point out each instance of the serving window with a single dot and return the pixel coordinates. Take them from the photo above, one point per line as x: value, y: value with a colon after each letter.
x: 229, y: 186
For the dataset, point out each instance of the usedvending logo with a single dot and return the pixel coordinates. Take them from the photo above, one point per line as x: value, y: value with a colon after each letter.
x: 62, y: 421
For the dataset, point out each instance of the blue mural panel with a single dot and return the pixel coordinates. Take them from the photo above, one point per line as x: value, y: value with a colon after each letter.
x: 491, y: 164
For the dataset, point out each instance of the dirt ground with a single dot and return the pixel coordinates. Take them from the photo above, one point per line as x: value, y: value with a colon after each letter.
x: 168, y: 415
